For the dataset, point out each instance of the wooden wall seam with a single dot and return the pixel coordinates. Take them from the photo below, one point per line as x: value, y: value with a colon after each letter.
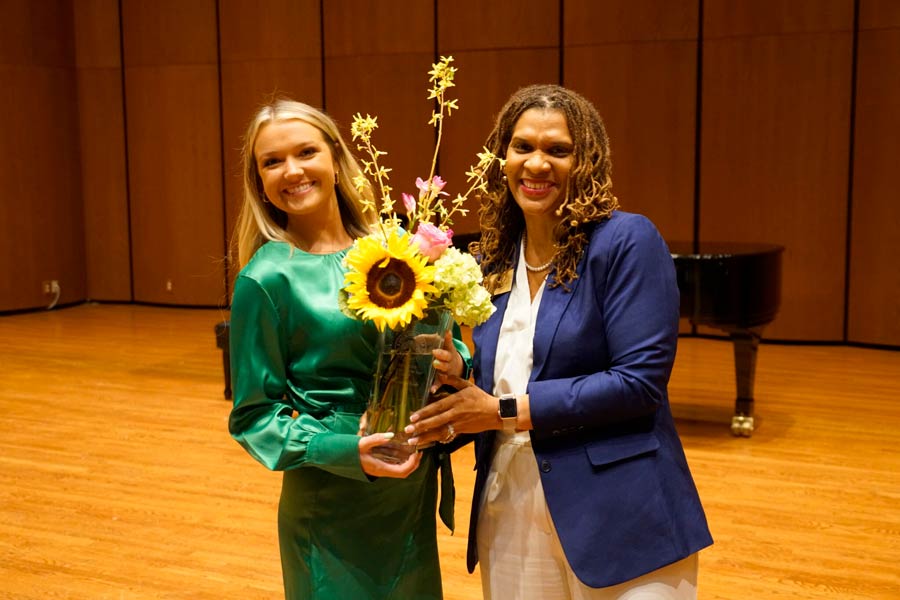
x: 227, y: 267
x: 125, y: 157
x: 848, y: 248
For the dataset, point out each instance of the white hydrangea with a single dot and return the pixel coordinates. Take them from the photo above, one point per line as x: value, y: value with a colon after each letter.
x: 458, y: 279
x: 470, y: 306
x: 455, y: 270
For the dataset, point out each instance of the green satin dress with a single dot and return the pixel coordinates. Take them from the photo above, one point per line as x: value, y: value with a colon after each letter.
x: 302, y: 373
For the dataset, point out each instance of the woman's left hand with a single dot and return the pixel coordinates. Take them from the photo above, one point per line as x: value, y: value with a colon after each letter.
x: 469, y: 410
x: 375, y: 467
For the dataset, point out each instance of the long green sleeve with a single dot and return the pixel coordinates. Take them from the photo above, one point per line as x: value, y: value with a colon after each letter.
x: 301, y: 369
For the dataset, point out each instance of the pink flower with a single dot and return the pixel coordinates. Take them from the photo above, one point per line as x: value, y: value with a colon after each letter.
x: 409, y: 202
x: 436, y: 183
x: 432, y: 241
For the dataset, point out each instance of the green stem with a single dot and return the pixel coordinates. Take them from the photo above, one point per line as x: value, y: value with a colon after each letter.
x: 402, y: 416
x: 440, y: 129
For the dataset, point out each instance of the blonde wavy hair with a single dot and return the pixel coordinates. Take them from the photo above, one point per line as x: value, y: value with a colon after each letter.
x: 589, y: 197
x: 260, y: 221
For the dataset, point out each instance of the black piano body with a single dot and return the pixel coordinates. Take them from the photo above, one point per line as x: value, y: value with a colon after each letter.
x: 736, y: 288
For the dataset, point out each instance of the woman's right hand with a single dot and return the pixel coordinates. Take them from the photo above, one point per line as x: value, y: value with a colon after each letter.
x: 469, y: 410
x: 375, y: 467
x: 446, y: 360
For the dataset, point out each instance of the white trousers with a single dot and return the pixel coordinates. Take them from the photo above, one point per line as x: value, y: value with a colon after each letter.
x: 520, y: 553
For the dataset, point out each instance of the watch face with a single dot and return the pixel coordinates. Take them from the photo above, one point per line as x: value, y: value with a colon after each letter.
x: 508, y: 408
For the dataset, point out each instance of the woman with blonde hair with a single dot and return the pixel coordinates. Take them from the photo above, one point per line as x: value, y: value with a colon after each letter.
x: 349, y: 524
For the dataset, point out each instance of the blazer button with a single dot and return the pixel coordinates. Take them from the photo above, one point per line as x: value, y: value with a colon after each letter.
x: 545, y: 466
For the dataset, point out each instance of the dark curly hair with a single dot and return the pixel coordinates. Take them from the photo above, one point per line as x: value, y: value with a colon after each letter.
x: 589, y: 197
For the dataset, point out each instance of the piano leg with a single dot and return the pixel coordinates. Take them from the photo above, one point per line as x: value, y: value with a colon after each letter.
x: 746, y: 342
x: 222, y: 341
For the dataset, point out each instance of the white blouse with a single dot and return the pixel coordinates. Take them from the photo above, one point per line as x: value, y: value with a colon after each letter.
x: 515, y: 345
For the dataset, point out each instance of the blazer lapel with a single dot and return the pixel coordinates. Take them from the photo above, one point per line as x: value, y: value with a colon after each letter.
x: 553, y: 304
x: 485, y: 337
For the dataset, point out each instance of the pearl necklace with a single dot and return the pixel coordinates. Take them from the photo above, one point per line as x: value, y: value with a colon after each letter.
x: 538, y: 269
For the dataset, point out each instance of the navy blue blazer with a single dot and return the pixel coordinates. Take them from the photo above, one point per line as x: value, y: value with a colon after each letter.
x: 612, y: 466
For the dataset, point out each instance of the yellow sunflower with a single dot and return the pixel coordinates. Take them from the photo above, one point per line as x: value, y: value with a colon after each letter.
x: 387, y: 284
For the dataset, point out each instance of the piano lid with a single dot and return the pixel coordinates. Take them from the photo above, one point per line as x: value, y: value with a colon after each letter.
x: 728, y: 285
x: 724, y: 250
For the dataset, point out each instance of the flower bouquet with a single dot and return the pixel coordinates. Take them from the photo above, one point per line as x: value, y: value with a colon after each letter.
x: 408, y: 279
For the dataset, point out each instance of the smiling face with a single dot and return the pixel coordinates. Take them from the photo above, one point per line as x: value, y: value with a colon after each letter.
x: 538, y: 161
x: 297, y: 170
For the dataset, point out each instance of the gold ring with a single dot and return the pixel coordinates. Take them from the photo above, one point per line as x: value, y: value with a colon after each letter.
x: 451, y: 434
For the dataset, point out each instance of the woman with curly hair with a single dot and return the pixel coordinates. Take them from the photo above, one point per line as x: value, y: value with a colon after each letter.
x: 582, y: 488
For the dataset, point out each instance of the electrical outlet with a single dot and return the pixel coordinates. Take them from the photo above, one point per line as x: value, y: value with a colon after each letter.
x: 50, y: 287
x: 46, y: 287
x: 168, y: 285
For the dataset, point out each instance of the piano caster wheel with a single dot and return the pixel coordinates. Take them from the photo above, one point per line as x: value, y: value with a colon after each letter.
x: 742, y: 426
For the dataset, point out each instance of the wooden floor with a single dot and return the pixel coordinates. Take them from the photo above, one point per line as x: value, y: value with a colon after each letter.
x: 118, y: 479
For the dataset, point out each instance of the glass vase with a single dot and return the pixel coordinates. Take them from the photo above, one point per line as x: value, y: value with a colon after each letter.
x: 404, y: 374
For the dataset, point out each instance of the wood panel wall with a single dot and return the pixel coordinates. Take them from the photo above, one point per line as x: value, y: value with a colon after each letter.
x: 265, y: 54
x: 41, y: 223
x: 104, y: 176
x: 377, y: 56
x: 874, y: 299
x: 146, y: 110
x: 498, y: 48
x: 174, y: 151
x: 775, y: 146
x: 636, y: 61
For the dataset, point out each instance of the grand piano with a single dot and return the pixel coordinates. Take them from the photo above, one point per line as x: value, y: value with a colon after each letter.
x: 736, y: 288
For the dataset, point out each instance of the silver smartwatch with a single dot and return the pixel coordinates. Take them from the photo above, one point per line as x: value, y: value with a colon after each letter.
x: 508, y: 411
